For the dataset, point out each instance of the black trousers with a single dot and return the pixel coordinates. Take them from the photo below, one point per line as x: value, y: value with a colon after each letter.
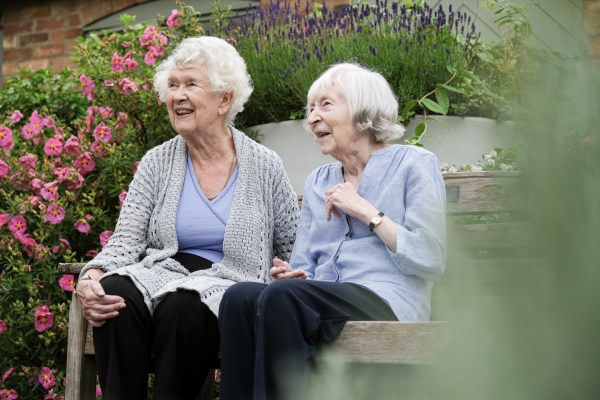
x: 181, y: 342
x: 267, y: 329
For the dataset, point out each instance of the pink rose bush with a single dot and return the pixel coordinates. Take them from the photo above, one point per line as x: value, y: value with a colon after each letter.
x: 65, y: 165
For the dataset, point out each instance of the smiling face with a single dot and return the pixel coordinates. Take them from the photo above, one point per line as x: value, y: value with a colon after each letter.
x: 330, y: 122
x: 193, y: 106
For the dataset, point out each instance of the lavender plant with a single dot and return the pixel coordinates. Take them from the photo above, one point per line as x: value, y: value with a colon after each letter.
x: 286, y: 46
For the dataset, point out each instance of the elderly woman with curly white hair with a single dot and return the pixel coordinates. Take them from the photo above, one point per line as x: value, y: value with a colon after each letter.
x: 370, y: 242
x: 205, y: 209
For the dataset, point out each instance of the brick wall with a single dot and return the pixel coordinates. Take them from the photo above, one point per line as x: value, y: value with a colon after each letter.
x: 42, y: 34
x: 591, y: 12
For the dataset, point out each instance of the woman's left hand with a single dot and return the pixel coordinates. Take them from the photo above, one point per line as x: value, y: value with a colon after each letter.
x: 344, y: 197
x: 283, y: 270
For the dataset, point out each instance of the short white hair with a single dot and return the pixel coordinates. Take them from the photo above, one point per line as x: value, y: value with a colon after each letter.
x: 225, y: 69
x: 371, y: 101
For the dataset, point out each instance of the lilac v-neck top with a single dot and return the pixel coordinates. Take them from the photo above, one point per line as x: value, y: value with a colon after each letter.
x: 200, y: 223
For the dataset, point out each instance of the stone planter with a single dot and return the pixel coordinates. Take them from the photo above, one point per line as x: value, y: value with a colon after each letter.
x: 464, y: 141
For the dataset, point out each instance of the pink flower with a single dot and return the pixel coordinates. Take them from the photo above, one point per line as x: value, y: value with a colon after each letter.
x: 27, y: 131
x: 54, y: 214
x: 37, y: 121
x: 4, y: 170
x: 72, y: 145
x: 75, y: 181
x: 126, y: 85
x: 117, y: 63
x: 47, y: 378
x: 53, y: 147
x: 153, y: 53
x: 85, y: 163
x: 66, y: 282
x: 3, y: 218
x: 98, y: 391
x: 36, y: 185
x: 28, y: 161
x: 102, y: 133
x: 108, y: 83
x: 10, y: 370
x: 91, y: 253
x: 63, y: 245
x: 87, y: 85
x: 61, y: 173
x: 17, y: 225
x: 122, y: 119
x: 174, y: 19
x: 98, y: 148
x: 16, y: 116
x: 34, y: 200
x: 50, y: 191
x: 3, y: 328
x: 6, y: 139
x: 105, y: 237
x: 82, y: 226
x: 51, y: 395
x: 8, y: 394
x: 121, y: 198
x: 43, y: 320
x: 132, y: 64
x: 148, y: 36
x: 106, y: 112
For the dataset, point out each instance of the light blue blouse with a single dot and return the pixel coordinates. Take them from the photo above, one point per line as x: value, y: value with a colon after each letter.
x: 406, y: 184
x: 200, y: 223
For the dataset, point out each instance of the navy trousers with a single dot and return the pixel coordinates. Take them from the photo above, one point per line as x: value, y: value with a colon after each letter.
x: 182, y: 334
x: 270, y: 329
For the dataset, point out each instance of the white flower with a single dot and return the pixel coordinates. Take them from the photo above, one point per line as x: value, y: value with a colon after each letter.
x: 476, y: 168
x: 506, y: 167
x: 491, y: 161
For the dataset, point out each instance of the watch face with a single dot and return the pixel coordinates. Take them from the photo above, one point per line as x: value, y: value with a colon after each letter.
x: 376, y: 220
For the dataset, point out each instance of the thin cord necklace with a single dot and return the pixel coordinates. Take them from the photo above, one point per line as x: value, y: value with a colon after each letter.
x: 228, y: 176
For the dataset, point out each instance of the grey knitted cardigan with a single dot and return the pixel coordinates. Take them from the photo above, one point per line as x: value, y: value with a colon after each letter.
x: 262, y: 221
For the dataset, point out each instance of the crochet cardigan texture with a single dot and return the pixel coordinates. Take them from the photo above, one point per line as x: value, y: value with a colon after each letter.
x: 262, y: 222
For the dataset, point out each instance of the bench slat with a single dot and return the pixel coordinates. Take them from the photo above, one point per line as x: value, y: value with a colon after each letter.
x: 391, y: 342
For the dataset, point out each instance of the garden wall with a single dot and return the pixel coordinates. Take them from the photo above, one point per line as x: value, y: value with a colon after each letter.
x: 41, y: 34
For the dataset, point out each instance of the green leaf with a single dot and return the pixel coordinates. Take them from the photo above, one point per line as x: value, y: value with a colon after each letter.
x: 451, y: 88
x: 443, y: 101
x: 433, y: 106
x: 420, y: 129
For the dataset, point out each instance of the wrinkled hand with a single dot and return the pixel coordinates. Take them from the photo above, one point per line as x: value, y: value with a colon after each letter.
x: 283, y: 270
x: 97, y: 305
x: 344, y: 197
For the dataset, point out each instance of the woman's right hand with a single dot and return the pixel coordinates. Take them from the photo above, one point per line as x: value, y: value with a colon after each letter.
x: 283, y: 270
x: 97, y: 305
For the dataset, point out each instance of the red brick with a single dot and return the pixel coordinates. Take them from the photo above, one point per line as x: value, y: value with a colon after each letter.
x: 63, y: 8
x: 18, y: 27
x: 49, y: 24
x: 17, y: 54
x: 9, y: 42
x: 33, y: 38
x: 35, y: 64
x: 9, y: 69
x: 75, y: 20
x: 60, y: 63
x: 36, y: 12
x: 49, y: 50
x: 65, y: 34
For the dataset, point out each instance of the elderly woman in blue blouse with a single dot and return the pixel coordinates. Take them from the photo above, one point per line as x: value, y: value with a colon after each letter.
x: 205, y: 209
x: 371, y: 241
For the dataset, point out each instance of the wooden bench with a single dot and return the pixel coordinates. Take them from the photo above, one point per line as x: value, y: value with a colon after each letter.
x: 471, y: 197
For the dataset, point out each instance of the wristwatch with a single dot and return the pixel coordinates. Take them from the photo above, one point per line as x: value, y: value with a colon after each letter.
x: 375, y: 220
